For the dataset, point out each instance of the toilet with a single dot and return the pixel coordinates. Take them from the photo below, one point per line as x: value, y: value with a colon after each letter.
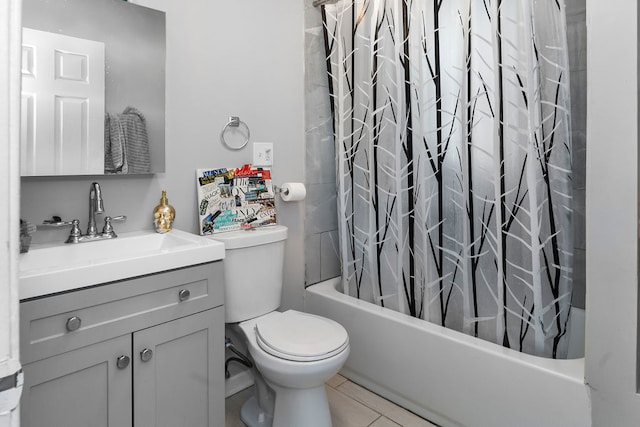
x: 294, y: 353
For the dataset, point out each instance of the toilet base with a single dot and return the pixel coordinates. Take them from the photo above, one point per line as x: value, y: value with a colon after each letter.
x: 252, y: 415
x: 293, y: 408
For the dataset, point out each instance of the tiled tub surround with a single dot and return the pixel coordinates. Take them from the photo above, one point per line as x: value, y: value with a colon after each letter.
x: 577, y: 42
x: 321, y: 215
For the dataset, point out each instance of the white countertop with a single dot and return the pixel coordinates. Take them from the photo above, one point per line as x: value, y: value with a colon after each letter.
x: 52, y: 268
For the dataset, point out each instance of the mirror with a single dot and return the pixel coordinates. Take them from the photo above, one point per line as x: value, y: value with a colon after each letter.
x: 134, y: 39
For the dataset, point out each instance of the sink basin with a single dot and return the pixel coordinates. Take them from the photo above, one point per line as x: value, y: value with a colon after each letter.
x: 48, y: 269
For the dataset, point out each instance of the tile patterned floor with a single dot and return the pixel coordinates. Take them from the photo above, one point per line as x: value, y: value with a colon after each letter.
x: 351, y: 406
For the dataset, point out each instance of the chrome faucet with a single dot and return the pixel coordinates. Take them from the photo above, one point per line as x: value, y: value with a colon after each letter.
x: 96, y: 206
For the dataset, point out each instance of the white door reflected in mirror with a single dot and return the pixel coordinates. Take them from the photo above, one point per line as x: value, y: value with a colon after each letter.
x: 63, y: 105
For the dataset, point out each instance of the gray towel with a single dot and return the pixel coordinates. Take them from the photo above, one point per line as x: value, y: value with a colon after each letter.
x: 114, y: 145
x: 126, y: 143
x: 134, y: 126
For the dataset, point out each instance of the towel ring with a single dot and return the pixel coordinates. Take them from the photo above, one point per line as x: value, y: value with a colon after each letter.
x: 234, y: 122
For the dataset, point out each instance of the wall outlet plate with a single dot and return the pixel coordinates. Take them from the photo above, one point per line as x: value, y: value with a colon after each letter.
x: 263, y: 153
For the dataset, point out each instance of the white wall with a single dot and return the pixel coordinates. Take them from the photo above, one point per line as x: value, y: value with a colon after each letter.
x: 224, y: 58
x: 612, y: 212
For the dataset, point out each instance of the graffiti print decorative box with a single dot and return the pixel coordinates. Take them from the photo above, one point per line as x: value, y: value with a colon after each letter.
x: 232, y: 199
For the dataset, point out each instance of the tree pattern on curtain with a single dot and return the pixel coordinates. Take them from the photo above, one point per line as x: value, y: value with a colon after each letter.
x: 452, y: 130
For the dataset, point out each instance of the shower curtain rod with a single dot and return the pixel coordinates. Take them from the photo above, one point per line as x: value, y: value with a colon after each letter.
x: 317, y: 3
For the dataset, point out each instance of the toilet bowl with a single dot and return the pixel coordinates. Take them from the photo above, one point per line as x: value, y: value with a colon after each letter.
x: 294, y: 353
x: 294, y: 365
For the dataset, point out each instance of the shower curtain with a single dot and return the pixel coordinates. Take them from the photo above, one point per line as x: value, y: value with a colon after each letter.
x: 452, y: 131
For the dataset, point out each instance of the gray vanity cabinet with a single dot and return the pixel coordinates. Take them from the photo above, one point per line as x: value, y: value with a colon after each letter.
x: 147, y: 351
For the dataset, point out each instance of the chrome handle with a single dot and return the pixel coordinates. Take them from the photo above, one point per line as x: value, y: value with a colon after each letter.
x: 107, y: 230
x: 184, y: 295
x: 122, y: 362
x: 73, y: 323
x: 75, y: 233
x: 146, y: 354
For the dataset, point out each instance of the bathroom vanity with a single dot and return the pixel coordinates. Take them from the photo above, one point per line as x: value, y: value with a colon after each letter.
x: 147, y: 350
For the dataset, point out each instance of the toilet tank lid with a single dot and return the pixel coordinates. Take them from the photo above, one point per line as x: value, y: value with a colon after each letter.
x: 253, y: 237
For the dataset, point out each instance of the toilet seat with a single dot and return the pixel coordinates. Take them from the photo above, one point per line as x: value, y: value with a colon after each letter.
x: 300, y: 337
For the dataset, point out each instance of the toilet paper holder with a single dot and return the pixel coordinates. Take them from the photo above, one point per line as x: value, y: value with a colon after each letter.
x: 291, y: 191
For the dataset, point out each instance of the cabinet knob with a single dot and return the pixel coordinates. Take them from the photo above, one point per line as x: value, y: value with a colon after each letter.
x: 146, y: 354
x: 73, y: 323
x: 122, y: 362
x: 184, y: 295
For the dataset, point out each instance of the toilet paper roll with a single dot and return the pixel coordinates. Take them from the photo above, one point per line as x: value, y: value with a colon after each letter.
x: 293, y: 191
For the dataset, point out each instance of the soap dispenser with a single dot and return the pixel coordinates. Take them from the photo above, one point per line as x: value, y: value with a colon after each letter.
x: 163, y: 215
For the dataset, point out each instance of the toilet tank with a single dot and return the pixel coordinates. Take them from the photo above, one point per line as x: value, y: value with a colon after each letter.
x: 253, y: 270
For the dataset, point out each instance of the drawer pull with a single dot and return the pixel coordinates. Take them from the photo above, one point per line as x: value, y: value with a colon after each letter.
x: 73, y: 323
x: 184, y: 295
x: 146, y: 354
x: 122, y: 362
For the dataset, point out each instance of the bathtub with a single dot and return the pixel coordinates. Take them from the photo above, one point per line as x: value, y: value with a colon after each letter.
x: 450, y: 378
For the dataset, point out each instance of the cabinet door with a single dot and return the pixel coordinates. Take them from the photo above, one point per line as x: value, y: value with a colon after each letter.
x: 179, y: 372
x: 80, y: 388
